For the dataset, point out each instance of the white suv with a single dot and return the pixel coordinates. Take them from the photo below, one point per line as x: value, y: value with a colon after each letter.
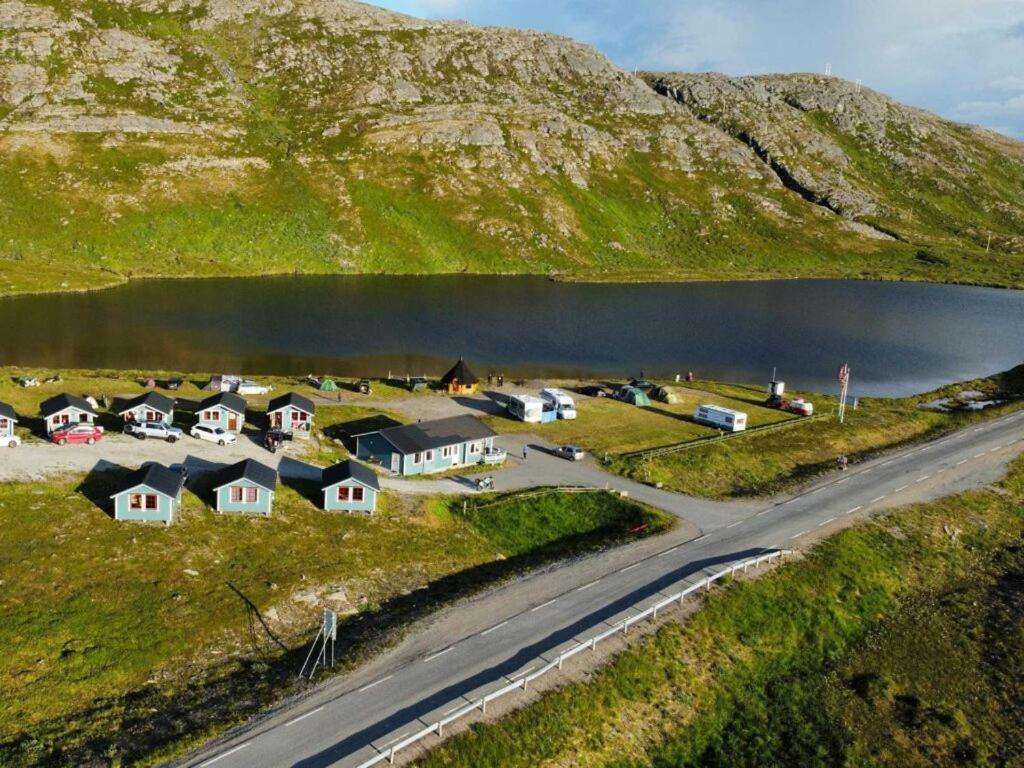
x: 217, y: 435
x: 10, y: 441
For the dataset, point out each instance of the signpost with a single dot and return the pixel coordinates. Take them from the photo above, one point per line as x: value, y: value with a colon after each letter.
x: 328, y: 634
x: 844, y: 387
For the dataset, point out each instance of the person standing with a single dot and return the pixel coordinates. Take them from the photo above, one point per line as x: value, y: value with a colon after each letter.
x: 525, y: 451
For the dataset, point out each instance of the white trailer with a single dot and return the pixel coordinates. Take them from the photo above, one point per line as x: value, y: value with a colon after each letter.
x: 528, y: 408
x: 562, y: 402
x: 720, y: 418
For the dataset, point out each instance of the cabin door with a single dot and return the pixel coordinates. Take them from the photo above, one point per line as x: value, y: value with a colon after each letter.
x: 232, y: 422
x: 396, y: 462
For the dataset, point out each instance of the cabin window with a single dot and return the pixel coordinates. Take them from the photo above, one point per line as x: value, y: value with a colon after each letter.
x: 417, y: 458
x: 344, y: 493
x: 357, y: 494
x: 152, y: 416
x: 475, y: 447
x: 236, y: 493
x: 300, y: 416
x: 135, y: 501
x: 446, y: 452
x: 430, y: 456
x: 150, y: 501
x: 252, y: 495
x: 3, y: 423
x: 211, y: 415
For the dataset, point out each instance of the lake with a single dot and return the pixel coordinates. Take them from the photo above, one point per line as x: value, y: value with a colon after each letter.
x: 899, y: 338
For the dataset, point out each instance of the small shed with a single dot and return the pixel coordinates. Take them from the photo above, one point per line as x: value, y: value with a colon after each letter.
x: 8, y: 418
x: 291, y: 413
x: 152, y: 406
x: 225, y: 410
x: 634, y: 396
x: 246, y: 487
x: 460, y: 380
x: 64, y: 409
x: 152, y: 493
x: 350, y: 487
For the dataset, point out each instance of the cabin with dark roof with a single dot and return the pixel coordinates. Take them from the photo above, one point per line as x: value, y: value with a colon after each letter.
x: 246, y: 487
x: 63, y: 410
x: 460, y: 380
x: 152, y: 406
x: 225, y: 409
x: 152, y: 493
x: 8, y: 418
x: 428, y: 446
x: 350, y: 487
x: 291, y: 413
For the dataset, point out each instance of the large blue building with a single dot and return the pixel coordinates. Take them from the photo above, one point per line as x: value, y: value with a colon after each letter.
x: 428, y: 446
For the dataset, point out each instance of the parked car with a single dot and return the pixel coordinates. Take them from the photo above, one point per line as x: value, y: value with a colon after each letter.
x: 77, y: 433
x: 643, y: 384
x: 594, y: 391
x: 174, y: 384
x: 570, y: 452
x: 273, y: 438
x: 248, y: 387
x: 417, y: 384
x: 363, y: 387
x: 29, y: 381
x: 10, y: 441
x: 157, y: 429
x: 217, y: 435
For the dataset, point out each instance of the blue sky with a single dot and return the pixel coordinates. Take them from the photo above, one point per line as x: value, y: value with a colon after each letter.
x: 961, y: 58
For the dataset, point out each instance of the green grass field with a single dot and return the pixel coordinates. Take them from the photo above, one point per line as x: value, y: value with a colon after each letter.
x: 134, y: 640
x: 897, y: 642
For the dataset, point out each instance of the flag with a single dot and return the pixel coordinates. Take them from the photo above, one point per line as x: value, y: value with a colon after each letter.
x: 844, y: 375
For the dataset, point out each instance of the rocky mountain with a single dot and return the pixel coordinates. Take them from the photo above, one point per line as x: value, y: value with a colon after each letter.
x: 195, y: 137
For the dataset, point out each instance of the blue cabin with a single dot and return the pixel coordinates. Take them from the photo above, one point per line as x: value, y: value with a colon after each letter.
x: 225, y: 410
x: 8, y: 418
x: 350, y: 487
x: 151, y: 406
x: 247, y: 487
x: 291, y: 413
x: 63, y: 410
x: 152, y: 493
x: 428, y: 446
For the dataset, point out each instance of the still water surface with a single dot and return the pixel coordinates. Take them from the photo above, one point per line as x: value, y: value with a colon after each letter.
x: 899, y: 338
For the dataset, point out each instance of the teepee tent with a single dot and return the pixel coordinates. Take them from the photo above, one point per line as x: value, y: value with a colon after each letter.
x: 460, y: 380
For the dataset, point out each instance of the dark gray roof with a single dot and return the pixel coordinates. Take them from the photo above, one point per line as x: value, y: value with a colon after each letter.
x: 62, y: 402
x: 228, y: 400
x: 158, y: 477
x: 250, y: 470
x: 461, y: 372
x: 413, y: 438
x: 349, y: 470
x: 293, y: 399
x: 7, y: 411
x: 153, y: 400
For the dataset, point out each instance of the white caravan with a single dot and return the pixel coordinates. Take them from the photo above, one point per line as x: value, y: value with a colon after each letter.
x: 560, y: 401
x: 721, y: 418
x: 526, y: 408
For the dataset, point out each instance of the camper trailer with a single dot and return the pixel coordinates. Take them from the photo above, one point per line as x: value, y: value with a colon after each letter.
x: 721, y: 418
x: 529, y: 408
x: 560, y: 401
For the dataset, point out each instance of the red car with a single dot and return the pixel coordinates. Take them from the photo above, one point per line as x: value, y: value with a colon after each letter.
x: 77, y: 433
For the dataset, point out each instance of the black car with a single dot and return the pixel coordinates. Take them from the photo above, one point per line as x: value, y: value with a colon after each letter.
x: 643, y: 384
x: 273, y: 438
x: 174, y: 384
x: 594, y: 391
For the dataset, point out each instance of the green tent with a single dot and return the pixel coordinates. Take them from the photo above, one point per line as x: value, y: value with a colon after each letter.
x: 328, y: 385
x: 636, y: 396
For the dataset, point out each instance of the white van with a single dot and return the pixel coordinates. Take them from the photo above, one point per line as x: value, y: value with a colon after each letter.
x: 720, y: 418
x: 561, y: 401
x: 528, y: 408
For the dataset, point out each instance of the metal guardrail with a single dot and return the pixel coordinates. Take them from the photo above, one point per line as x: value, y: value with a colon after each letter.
x: 651, y: 612
x: 702, y: 441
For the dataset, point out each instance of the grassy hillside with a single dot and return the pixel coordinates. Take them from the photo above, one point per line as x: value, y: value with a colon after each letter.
x: 213, y: 137
x: 895, y: 643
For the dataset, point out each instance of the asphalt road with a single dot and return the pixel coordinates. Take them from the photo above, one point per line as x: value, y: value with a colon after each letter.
x: 472, y: 648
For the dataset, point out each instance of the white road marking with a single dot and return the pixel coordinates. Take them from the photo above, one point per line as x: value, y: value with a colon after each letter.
x: 439, y: 653
x: 822, y: 525
x: 699, y: 538
x: 869, y: 469
x: 922, y: 479
x: 763, y: 512
x: 588, y: 586
x: 997, y: 448
x: 313, y: 712
x: 733, y: 525
x: 875, y: 501
x: 395, y: 740
x: 797, y: 535
x: 855, y: 509
x: 979, y: 455
x: 667, y: 552
x: 816, y: 490
x: 496, y: 626
x: 631, y: 567
x: 368, y: 686
x: 784, y: 503
x: 901, y: 488
x: 549, y: 602
x: 962, y: 461
x: 221, y: 757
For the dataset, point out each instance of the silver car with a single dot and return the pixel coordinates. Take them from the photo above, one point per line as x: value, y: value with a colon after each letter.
x: 570, y: 452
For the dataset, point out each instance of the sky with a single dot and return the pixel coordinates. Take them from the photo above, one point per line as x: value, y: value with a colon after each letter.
x: 963, y: 59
